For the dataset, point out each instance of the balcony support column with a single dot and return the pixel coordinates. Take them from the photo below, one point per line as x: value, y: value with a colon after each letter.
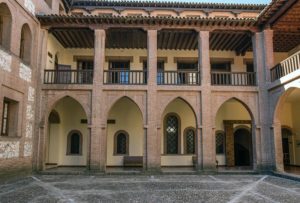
x: 98, y: 136
x: 153, y: 154
x: 263, y: 62
x: 206, y: 158
x: 40, y: 133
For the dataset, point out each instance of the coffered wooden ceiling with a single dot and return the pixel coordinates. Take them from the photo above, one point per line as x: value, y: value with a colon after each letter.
x: 167, y: 39
x: 283, y: 16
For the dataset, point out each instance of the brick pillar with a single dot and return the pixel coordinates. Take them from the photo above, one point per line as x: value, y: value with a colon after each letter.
x: 207, y: 158
x: 278, y: 152
x: 98, y: 124
x: 229, y: 144
x: 40, y: 134
x: 263, y: 62
x: 153, y: 150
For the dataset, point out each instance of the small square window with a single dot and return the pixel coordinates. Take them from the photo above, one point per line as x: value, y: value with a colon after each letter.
x: 221, y: 67
x: 9, y: 118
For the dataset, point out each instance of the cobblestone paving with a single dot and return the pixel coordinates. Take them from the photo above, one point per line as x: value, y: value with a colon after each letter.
x: 152, y: 189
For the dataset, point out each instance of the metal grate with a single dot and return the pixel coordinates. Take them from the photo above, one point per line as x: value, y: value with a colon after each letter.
x: 220, y: 143
x: 121, y: 144
x: 172, y: 135
x: 190, y: 141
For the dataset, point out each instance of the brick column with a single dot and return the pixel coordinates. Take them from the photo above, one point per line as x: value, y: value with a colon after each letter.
x: 206, y: 156
x: 263, y: 62
x: 153, y: 149
x: 40, y: 134
x: 278, y: 152
x: 98, y: 124
x: 229, y: 146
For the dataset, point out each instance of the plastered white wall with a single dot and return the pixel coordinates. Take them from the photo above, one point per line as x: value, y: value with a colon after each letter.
x: 70, y: 113
x: 128, y: 118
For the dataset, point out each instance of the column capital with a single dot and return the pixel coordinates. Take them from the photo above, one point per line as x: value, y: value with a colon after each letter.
x: 151, y: 28
x: 202, y: 30
x: 100, y: 31
x: 152, y: 32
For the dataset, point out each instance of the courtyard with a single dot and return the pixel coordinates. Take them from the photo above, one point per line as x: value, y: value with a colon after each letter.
x: 147, y: 188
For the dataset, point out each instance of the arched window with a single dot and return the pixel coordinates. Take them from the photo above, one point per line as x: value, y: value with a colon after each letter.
x: 121, y: 146
x: 74, y: 143
x: 54, y: 117
x: 189, y: 139
x: 25, y: 44
x: 172, y: 134
x: 220, y: 142
x: 5, y: 26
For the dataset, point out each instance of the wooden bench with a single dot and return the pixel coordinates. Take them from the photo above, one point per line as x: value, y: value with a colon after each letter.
x: 130, y: 161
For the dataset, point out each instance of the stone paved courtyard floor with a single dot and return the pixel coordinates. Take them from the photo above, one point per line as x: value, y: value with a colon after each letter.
x: 152, y: 189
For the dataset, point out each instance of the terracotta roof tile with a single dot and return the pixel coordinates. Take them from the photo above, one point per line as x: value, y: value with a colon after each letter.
x: 159, y: 4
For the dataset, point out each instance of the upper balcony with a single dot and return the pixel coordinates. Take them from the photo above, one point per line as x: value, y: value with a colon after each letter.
x: 125, y: 61
x: 286, y: 67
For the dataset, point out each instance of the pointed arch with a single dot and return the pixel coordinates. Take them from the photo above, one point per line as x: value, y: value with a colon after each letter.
x: 117, y: 99
x: 225, y: 120
x: 6, y: 21
x: 219, y: 106
x: 26, y: 44
x: 280, y: 102
x: 165, y: 105
x: 125, y: 131
x: 59, y: 98
x: 66, y: 143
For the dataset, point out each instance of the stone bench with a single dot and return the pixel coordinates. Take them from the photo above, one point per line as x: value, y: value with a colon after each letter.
x: 136, y: 161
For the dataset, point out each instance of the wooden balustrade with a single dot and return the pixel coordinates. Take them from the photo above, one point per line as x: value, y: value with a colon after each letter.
x: 178, y: 78
x: 233, y: 78
x: 286, y: 67
x: 68, y: 76
x: 125, y: 77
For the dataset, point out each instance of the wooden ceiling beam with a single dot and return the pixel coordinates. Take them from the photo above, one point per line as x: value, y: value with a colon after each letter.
x: 180, y: 40
x: 236, y: 42
x: 190, y: 42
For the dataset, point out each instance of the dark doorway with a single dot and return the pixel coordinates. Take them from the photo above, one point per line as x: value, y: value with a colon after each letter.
x: 242, y: 147
x: 286, y: 133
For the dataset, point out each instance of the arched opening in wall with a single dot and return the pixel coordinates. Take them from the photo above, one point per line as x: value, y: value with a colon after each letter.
x: 5, y: 26
x: 67, y: 135
x: 125, y: 135
x: 288, y: 114
x: 234, y: 136
x: 178, y: 135
x: 26, y: 44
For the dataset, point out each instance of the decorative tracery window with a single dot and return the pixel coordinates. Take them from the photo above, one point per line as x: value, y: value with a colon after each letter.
x: 74, y: 143
x: 121, y: 143
x: 172, y: 134
x: 220, y: 142
x: 190, y: 137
